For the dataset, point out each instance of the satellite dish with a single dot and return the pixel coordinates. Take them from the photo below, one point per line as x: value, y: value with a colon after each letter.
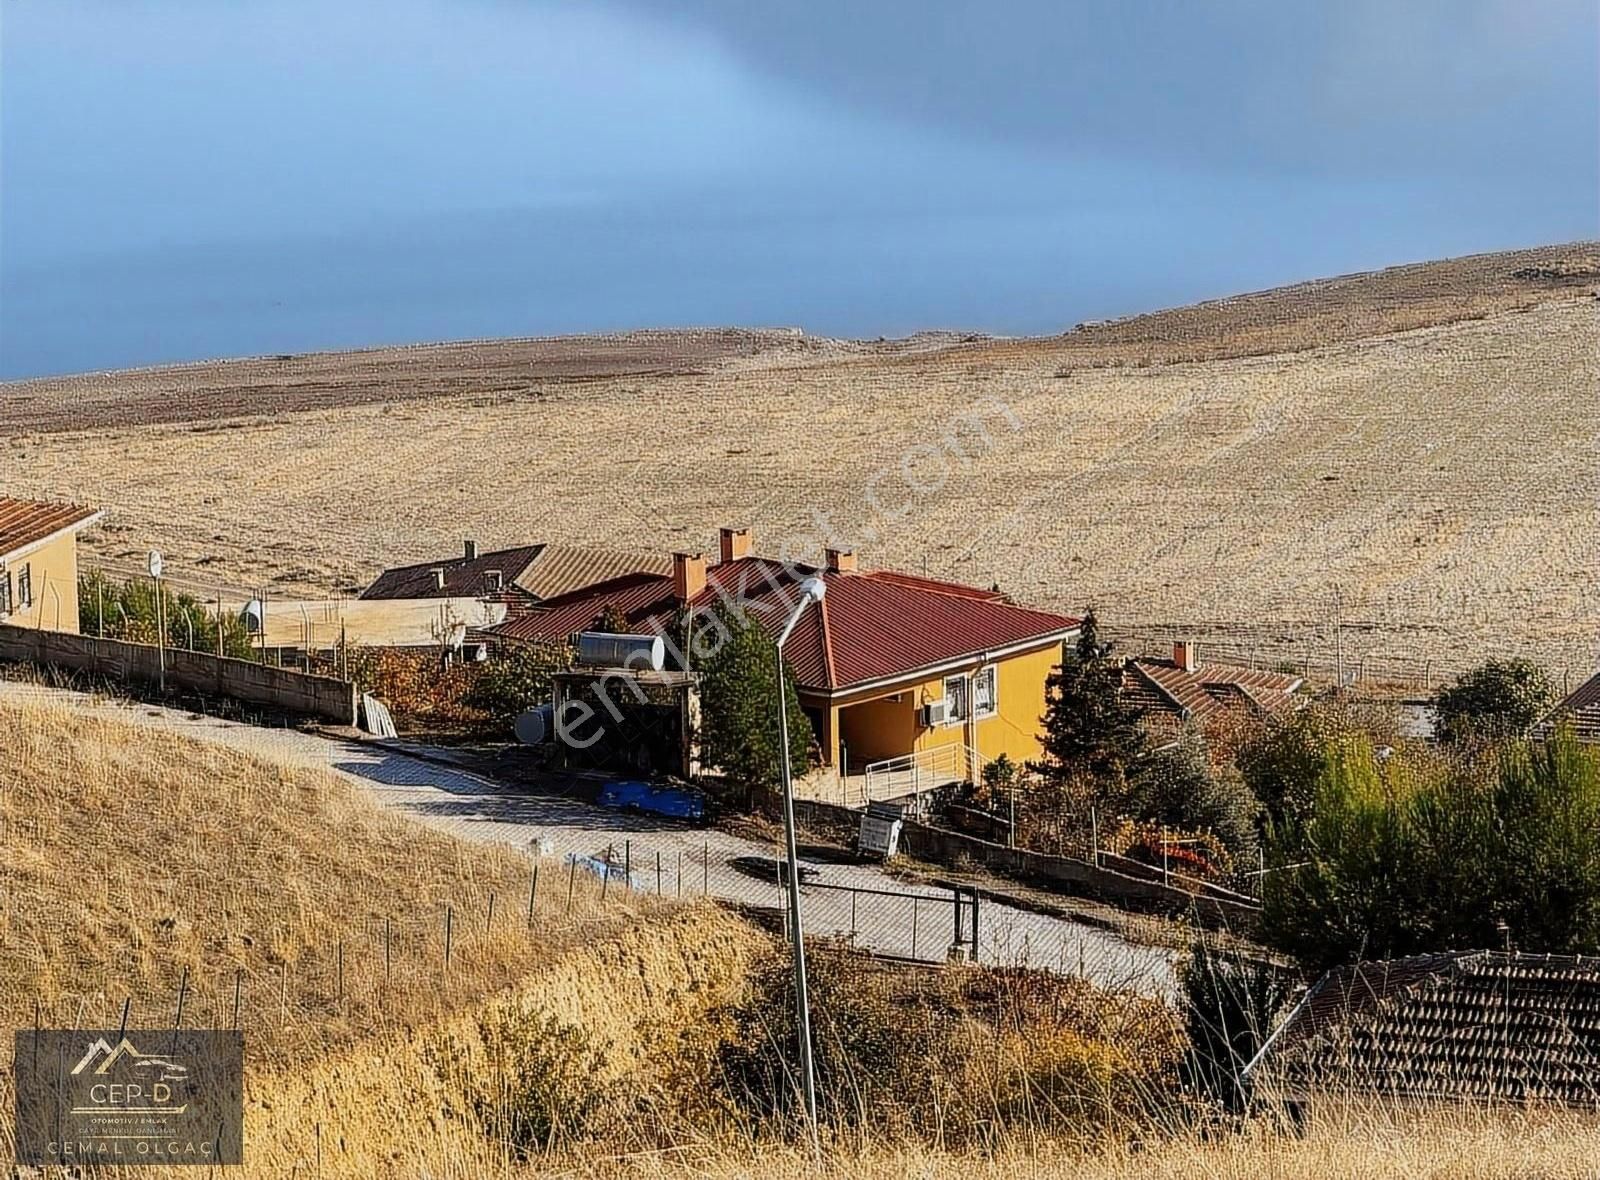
x: 153, y: 564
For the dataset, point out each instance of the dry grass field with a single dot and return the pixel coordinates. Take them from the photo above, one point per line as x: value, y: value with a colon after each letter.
x: 1414, y: 449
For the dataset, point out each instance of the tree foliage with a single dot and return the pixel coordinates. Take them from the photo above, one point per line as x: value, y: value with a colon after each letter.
x: 1178, y: 786
x: 515, y: 678
x: 1229, y: 1005
x: 128, y: 610
x: 739, y: 705
x: 1392, y: 862
x: 1090, y: 728
x: 1501, y: 699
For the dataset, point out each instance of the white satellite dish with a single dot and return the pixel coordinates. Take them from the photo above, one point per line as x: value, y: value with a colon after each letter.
x: 154, y: 563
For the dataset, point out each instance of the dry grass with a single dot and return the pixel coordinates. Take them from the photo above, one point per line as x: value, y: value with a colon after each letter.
x: 1443, y: 479
x: 1372, y: 1145
x: 131, y: 856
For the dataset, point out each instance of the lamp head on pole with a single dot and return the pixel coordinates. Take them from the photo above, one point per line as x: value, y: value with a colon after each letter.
x: 812, y: 589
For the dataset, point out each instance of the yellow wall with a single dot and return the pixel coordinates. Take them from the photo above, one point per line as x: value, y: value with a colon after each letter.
x: 883, y: 728
x: 53, y: 571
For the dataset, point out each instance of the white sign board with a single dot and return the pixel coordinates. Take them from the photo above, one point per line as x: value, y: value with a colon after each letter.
x: 154, y: 564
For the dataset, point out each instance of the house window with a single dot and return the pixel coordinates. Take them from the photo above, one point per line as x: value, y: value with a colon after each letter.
x: 955, y: 699
x: 983, y: 698
x: 5, y: 592
x: 25, y: 587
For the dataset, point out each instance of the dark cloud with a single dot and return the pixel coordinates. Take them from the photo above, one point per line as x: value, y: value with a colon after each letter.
x: 1467, y: 86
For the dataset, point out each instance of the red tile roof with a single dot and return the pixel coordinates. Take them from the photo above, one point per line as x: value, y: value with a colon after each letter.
x: 539, y: 571
x: 1161, y: 686
x: 869, y: 626
x: 1580, y: 712
x: 1466, y: 1024
x: 25, y: 522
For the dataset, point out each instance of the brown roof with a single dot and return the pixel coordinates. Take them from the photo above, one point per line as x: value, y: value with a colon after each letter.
x: 1580, y: 712
x: 869, y: 626
x: 1163, y: 687
x: 539, y: 572
x: 1468, y: 1024
x: 27, y: 522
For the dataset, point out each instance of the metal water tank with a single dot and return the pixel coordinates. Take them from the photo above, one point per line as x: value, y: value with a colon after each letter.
x: 637, y: 653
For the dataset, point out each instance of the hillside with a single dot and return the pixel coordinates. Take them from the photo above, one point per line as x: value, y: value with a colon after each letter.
x: 1407, y: 454
x: 133, y: 854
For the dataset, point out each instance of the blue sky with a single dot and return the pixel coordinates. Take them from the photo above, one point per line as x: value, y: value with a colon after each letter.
x: 184, y: 178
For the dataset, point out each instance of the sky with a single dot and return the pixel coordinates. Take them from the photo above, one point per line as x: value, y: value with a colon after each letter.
x: 186, y: 179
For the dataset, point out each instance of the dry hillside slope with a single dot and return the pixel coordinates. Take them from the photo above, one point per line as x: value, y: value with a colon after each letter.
x: 1411, y: 451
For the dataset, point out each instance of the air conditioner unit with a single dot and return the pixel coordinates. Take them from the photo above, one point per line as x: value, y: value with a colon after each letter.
x: 934, y: 713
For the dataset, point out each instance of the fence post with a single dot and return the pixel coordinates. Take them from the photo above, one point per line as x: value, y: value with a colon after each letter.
x: 974, y: 923
x: 705, y: 869
x: 913, y: 927
x: 658, y: 872
x: 533, y: 891
x: 449, y: 930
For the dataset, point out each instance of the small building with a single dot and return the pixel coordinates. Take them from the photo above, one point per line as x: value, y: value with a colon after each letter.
x: 1579, y: 713
x: 1186, y: 691
x: 1466, y: 1025
x: 519, y: 577
x: 900, y: 675
x: 39, y: 562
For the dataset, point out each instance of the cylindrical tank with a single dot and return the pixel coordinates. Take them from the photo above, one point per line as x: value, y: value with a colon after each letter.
x: 637, y: 653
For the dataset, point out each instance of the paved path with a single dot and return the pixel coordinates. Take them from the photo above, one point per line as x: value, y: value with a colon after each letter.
x: 692, y: 860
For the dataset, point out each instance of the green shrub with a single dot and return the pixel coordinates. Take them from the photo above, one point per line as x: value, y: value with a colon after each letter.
x: 1502, y: 699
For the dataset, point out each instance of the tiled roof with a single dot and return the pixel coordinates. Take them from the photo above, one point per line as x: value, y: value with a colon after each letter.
x: 1471, y: 1024
x: 869, y: 626
x: 24, y: 522
x: 1161, y: 686
x: 1580, y: 712
x: 539, y: 571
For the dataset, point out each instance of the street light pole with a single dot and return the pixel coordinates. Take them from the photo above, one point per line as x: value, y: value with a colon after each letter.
x: 810, y: 591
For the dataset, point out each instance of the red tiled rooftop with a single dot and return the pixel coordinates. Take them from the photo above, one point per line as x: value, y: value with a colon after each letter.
x: 1163, y: 686
x: 26, y: 522
x: 869, y: 626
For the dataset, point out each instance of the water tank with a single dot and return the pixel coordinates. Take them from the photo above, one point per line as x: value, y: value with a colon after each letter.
x: 534, y: 727
x: 637, y: 653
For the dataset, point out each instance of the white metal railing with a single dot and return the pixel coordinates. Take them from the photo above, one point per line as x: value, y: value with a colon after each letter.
x: 912, y: 774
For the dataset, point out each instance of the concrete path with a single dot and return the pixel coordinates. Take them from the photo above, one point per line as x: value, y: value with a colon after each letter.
x: 692, y: 860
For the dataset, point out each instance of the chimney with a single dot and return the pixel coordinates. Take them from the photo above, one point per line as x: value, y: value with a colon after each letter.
x: 841, y: 561
x: 688, y: 575
x: 1186, y: 654
x: 469, y: 550
x: 438, y: 578
x: 736, y: 543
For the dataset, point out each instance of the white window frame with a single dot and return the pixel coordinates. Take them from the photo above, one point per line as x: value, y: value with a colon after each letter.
x: 990, y: 674
x: 25, y: 587
x: 950, y: 716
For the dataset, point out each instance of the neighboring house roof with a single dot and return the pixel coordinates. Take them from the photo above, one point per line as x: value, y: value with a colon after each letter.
x: 1164, y: 687
x: 1468, y: 1024
x: 26, y: 523
x: 870, y: 626
x: 538, y: 571
x: 1580, y: 712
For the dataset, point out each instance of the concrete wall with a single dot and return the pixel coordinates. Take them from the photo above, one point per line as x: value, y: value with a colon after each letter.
x: 244, y: 680
x: 1063, y: 874
x: 52, y: 578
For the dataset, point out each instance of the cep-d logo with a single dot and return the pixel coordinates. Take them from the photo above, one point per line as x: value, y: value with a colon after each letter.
x: 140, y: 1096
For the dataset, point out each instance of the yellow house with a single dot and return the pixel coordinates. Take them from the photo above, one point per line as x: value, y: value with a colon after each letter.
x: 909, y: 681
x: 39, y: 562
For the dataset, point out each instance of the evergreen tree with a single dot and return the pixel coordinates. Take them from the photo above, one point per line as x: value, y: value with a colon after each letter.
x: 1089, y: 727
x: 739, y: 707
